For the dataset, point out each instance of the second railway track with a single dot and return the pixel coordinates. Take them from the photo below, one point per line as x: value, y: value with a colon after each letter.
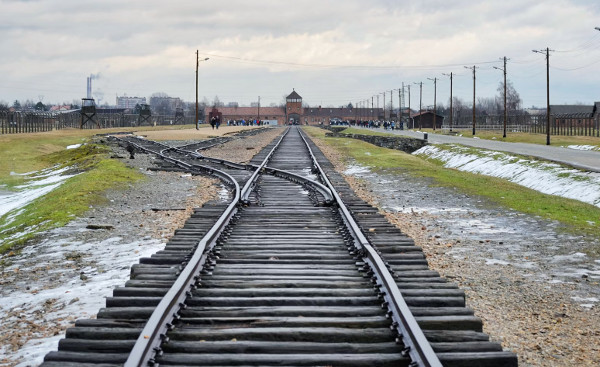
x: 290, y: 281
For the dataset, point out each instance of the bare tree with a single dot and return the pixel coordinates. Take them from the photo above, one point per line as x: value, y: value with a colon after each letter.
x: 513, y: 99
x: 459, y: 108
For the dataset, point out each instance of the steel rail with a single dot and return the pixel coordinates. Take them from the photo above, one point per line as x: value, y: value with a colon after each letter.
x: 409, y: 332
x: 186, y: 166
x: 154, y: 332
x: 290, y: 176
x: 252, y: 180
x: 161, y: 320
x: 322, y: 189
x: 317, y: 186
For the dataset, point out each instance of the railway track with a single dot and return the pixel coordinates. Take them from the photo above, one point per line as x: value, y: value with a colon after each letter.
x: 293, y: 277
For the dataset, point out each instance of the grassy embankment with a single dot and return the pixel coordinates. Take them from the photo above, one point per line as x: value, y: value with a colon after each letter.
x: 33, y: 152
x: 36, y: 151
x: 555, y: 140
x: 577, y: 216
x: 519, y: 137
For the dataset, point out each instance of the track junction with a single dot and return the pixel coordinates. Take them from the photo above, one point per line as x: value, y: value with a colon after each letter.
x: 294, y: 271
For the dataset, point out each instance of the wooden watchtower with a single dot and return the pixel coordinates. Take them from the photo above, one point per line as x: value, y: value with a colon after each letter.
x: 179, y: 115
x: 88, y: 111
x: 145, y: 114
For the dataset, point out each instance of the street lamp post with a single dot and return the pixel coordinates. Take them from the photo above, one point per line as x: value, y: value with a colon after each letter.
x: 384, y: 106
x: 420, y: 103
x: 505, y: 116
x: 434, y: 101
x: 547, y: 52
x: 391, y: 104
x: 197, y: 63
x: 451, y: 111
x: 473, y: 68
x: 409, y: 110
x: 400, y: 94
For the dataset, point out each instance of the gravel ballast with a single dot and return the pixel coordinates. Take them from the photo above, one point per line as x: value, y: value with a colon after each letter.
x: 528, y: 279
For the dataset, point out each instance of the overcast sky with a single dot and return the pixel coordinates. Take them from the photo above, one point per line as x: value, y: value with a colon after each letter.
x: 331, y: 52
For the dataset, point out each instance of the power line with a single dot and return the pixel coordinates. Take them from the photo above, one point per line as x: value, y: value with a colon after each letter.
x: 340, y: 66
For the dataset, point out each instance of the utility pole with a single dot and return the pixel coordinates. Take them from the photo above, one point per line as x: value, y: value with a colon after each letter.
x: 505, y: 114
x: 474, y: 68
x: 197, y: 62
x: 420, y: 103
x: 384, y: 106
x: 451, y: 111
x: 372, y: 97
x: 409, y: 110
x: 547, y: 52
x: 391, y: 103
x: 258, y: 118
x: 400, y: 93
x: 434, y: 101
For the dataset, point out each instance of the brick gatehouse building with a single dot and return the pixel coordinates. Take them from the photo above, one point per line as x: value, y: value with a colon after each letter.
x: 294, y: 112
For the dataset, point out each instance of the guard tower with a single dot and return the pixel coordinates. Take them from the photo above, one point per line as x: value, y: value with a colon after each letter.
x: 145, y: 114
x: 293, y: 108
x: 88, y: 111
x: 179, y: 115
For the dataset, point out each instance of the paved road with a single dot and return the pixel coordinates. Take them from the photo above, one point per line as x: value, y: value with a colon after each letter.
x: 582, y: 159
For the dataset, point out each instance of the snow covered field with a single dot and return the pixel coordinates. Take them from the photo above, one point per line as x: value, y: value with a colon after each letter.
x: 546, y: 177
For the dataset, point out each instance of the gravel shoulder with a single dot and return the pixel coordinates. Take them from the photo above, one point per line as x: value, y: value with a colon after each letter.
x: 530, y: 282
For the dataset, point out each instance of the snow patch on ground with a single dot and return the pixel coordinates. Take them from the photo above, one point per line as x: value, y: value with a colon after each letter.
x: 583, y: 147
x: 39, y: 184
x: 74, y: 146
x: 76, y: 295
x: 356, y: 169
x: 548, y: 178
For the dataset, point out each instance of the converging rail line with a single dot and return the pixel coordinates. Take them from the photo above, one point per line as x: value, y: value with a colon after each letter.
x: 292, y: 272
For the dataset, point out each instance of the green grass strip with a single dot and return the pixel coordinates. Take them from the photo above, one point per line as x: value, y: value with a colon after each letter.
x: 97, y: 173
x: 577, y: 216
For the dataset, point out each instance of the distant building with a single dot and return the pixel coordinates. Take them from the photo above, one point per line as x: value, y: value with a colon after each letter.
x: 574, y: 119
x: 252, y: 113
x: 425, y: 120
x: 130, y: 102
x: 234, y: 104
x: 293, y: 108
x: 165, y: 105
x: 62, y: 108
x: 295, y: 113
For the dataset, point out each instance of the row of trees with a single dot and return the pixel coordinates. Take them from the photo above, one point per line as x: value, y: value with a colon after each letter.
x: 29, y: 105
